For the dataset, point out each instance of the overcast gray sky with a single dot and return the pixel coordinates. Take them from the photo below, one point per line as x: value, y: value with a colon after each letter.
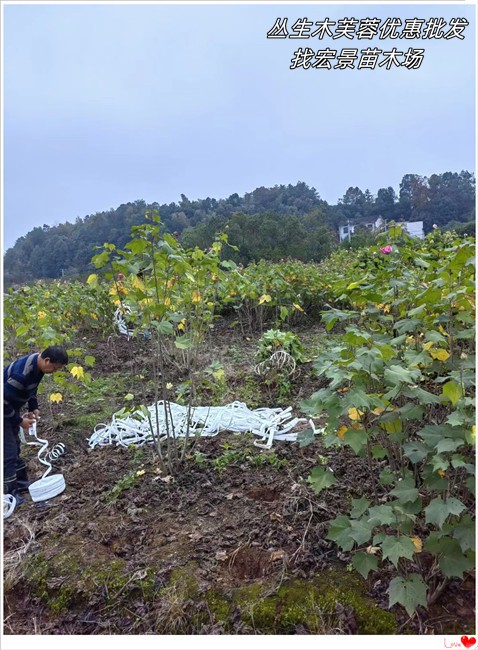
x: 105, y: 104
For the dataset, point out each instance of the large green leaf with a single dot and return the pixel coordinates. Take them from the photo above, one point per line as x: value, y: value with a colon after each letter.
x: 410, y: 592
x: 395, y: 375
x: 422, y: 395
x: 356, y: 398
x: 356, y: 438
x: 464, y: 532
x: 321, y: 478
x: 394, y: 548
x: 405, y: 490
x: 359, y: 506
x: 433, y: 434
x: 438, y: 510
x: 411, y: 411
x: 381, y: 515
x: 456, y: 419
x: 407, y: 325
x: 184, y: 342
x: 452, y: 391
x: 305, y: 438
x: 447, y: 444
x: 360, y: 531
x: 164, y: 327
x: 415, y: 451
x: 339, y: 532
x: 364, y: 563
x: 453, y: 562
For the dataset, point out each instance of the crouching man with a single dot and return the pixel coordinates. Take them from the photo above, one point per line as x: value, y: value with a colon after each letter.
x: 20, y: 383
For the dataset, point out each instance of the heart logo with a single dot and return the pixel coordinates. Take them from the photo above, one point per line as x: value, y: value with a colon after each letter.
x: 468, y: 641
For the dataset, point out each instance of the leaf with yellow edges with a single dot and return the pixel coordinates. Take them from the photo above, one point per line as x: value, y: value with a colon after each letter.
x: 264, y: 298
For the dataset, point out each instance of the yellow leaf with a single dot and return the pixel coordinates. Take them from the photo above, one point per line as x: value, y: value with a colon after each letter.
x: 417, y: 542
x: 169, y: 385
x: 140, y: 472
x: 137, y: 283
x: 182, y: 324
x: 378, y: 411
x: 78, y: 372
x: 56, y: 397
x: 341, y: 432
x: 441, y: 354
x: 167, y: 301
x: 92, y: 279
x: 473, y: 432
x: 443, y: 331
x: 355, y: 414
x: 41, y: 314
x: 428, y: 345
x: 298, y: 307
x: 264, y: 298
x: 441, y: 473
x: 196, y: 296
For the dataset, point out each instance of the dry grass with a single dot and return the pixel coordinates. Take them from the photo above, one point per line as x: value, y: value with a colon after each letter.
x: 22, y: 531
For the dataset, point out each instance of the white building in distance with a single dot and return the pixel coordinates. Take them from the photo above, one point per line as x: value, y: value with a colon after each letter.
x: 414, y: 228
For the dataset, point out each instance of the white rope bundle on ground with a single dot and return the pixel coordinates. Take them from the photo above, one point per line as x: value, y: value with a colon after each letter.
x: 269, y: 424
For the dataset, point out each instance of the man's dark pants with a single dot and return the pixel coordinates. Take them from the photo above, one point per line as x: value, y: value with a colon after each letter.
x: 14, y: 467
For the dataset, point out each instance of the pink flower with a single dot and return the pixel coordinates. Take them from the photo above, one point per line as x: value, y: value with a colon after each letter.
x: 386, y: 250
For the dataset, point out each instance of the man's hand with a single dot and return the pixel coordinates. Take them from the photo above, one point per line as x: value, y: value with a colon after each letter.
x: 27, y: 422
x: 34, y: 415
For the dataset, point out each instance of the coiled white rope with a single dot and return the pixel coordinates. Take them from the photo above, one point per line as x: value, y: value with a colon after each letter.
x: 120, y: 321
x: 56, y: 451
x: 9, y: 503
x: 46, y: 487
x: 171, y: 419
x: 279, y: 360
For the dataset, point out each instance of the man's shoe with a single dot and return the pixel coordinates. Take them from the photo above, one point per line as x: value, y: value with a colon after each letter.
x: 18, y: 498
x: 22, y: 486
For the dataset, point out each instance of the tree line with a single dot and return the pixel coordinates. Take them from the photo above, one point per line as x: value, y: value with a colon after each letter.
x: 267, y: 223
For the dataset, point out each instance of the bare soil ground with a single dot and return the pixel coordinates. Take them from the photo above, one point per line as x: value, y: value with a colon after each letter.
x: 230, y: 546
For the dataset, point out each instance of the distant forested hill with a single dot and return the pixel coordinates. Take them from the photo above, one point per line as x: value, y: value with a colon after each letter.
x: 271, y: 223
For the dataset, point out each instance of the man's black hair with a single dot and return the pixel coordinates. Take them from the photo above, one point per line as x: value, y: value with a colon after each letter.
x: 56, y: 354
